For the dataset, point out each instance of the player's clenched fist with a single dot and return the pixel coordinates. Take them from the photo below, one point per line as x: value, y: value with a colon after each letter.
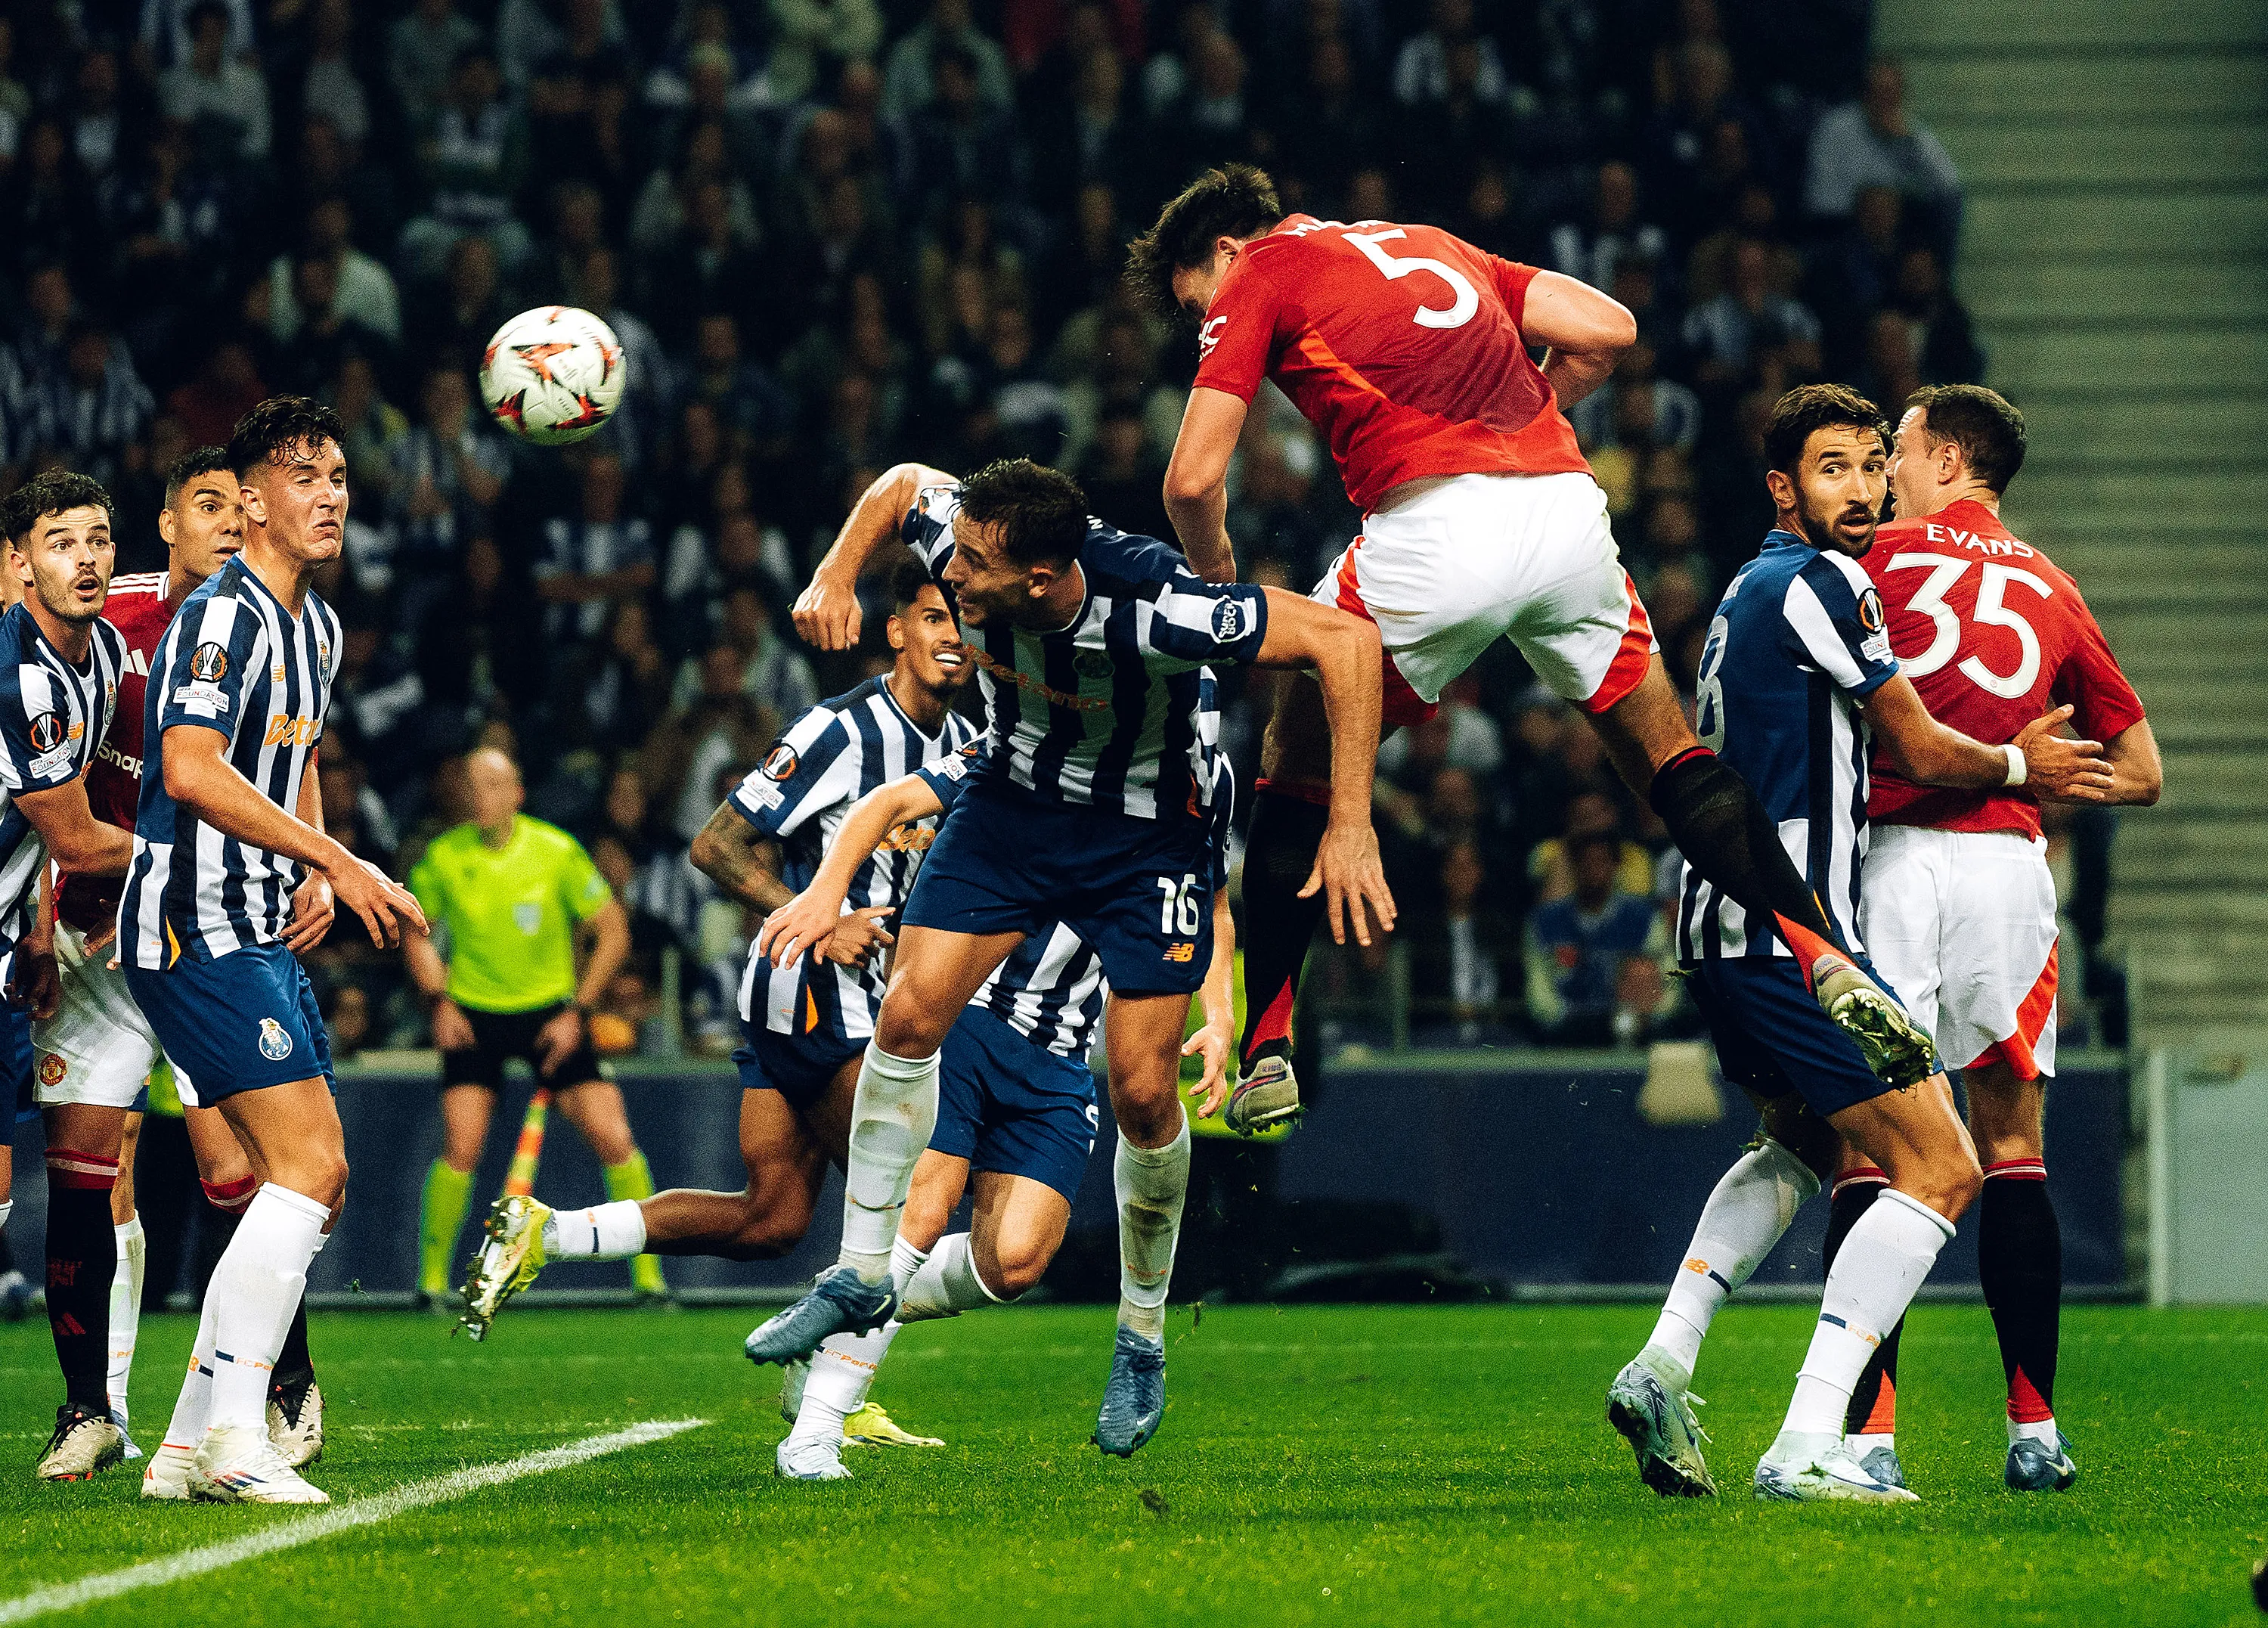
x: 827, y: 612
x: 2058, y: 767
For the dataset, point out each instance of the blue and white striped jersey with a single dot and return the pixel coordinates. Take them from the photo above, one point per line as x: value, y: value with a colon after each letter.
x: 1051, y: 989
x: 1115, y: 709
x: 1798, y: 644
x: 235, y: 661
x: 52, y: 717
x: 824, y: 762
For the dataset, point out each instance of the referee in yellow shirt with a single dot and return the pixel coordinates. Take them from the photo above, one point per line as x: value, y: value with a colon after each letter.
x: 514, y: 895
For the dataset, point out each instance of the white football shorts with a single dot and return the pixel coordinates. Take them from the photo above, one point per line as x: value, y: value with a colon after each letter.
x: 97, y: 1048
x: 1460, y: 562
x: 1963, y: 924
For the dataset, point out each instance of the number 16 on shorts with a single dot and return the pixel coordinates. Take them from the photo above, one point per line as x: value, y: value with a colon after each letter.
x: 1182, y: 912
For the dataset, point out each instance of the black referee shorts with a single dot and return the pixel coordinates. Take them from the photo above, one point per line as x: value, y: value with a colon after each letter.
x: 499, y: 1036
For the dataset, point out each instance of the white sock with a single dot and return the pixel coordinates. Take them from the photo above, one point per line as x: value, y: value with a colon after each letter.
x: 256, y: 1288
x: 891, y: 1119
x: 191, y: 1409
x: 2041, y: 1431
x: 1882, y: 1262
x: 905, y: 1261
x: 947, y: 1284
x: 1752, y: 1205
x: 1152, y: 1183
x: 607, y: 1232
x: 125, y: 1312
x: 842, y: 1371
x: 1866, y: 1440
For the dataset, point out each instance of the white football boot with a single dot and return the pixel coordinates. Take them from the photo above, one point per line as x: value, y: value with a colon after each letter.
x: 237, y: 1465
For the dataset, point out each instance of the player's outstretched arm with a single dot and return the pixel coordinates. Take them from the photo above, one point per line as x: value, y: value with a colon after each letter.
x: 1197, y: 480
x: 1585, y: 331
x: 80, y: 843
x: 1928, y: 752
x: 1216, y: 1040
x: 810, y: 921
x: 200, y: 780
x: 827, y: 611
x: 1344, y: 653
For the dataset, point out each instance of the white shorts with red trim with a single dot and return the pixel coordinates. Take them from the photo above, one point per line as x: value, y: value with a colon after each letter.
x: 97, y: 1048
x: 1461, y: 562
x: 1963, y: 924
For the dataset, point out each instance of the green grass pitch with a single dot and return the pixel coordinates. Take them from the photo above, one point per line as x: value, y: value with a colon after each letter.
x: 1384, y: 1465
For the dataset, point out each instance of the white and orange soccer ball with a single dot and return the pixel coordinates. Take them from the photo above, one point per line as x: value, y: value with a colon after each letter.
x: 553, y: 375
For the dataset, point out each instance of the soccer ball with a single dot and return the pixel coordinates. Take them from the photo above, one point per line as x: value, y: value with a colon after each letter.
x: 552, y: 375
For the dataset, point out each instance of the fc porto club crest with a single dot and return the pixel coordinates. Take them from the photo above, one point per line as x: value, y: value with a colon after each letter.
x: 275, y: 1044
x: 1092, y: 664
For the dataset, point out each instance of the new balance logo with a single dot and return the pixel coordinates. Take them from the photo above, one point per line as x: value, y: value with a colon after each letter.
x: 1181, y: 953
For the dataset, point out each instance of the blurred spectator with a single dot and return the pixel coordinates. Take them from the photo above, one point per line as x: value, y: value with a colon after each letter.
x: 1422, y: 72
x: 424, y: 50
x: 771, y: 672
x: 1593, y: 247
x: 1875, y: 142
x: 910, y: 82
x: 811, y: 35
x: 1594, y: 956
x: 331, y: 82
x: 96, y: 406
x: 473, y: 157
x: 448, y: 472
x: 595, y: 560
x: 1751, y: 326
x: 219, y: 96
x: 363, y: 291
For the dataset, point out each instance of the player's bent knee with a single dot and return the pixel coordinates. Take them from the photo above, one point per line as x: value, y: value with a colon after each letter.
x: 771, y: 1226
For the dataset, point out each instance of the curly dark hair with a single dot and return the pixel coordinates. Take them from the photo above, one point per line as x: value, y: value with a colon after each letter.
x: 1041, y: 513
x: 277, y: 428
x: 1809, y: 407
x: 50, y: 492
x: 193, y: 463
x: 907, y: 582
x: 1984, y: 424
x: 1235, y: 200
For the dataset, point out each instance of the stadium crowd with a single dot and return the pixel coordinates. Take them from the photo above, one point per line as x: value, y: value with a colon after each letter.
x: 837, y: 233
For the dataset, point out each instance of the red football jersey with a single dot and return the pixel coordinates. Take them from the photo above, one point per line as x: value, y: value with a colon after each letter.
x: 138, y: 609
x: 1400, y: 343
x: 1992, y: 636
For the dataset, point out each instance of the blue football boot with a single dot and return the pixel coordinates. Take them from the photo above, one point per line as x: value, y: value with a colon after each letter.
x: 839, y: 1302
x: 1134, y: 1400
x: 2033, y: 1469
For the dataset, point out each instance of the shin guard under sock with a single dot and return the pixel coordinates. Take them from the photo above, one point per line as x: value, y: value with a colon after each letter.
x: 81, y: 1261
x: 1279, y: 855
x: 2020, y: 1265
x: 1727, y: 836
x: 1874, y: 1409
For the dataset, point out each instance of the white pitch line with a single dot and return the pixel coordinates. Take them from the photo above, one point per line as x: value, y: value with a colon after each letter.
x: 344, y: 1517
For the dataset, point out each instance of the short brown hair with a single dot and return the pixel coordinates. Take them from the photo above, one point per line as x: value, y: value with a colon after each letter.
x: 279, y: 427
x: 1041, y: 513
x: 52, y: 492
x: 1235, y: 201
x: 1809, y: 407
x: 1984, y: 424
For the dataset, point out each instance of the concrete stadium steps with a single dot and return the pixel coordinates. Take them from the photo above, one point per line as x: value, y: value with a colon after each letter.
x: 2116, y: 259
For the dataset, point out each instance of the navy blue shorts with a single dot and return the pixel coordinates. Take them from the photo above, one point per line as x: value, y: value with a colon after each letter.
x: 1138, y: 891
x: 1773, y: 1039
x: 1006, y: 1104
x: 242, y: 1021
x: 16, y: 1061
x: 799, y: 1067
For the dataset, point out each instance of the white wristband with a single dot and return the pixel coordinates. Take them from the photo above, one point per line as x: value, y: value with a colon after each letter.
x: 2018, y: 771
